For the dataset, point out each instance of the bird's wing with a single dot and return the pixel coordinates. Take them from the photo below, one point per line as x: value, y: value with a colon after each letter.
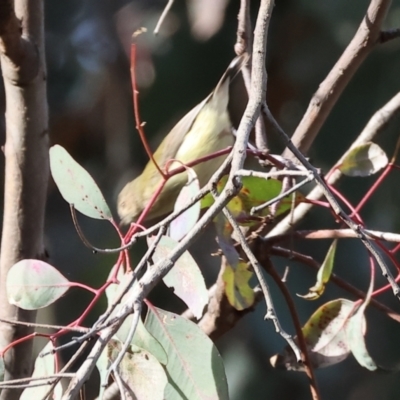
x: 170, y: 145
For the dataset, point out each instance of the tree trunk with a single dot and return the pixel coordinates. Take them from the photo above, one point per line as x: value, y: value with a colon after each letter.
x: 26, y: 169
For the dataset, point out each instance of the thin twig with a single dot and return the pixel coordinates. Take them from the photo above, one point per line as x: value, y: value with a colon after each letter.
x: 244, y: 34
x: 389, y: 34
x: 163, y: 15
x: 66, y: 367
x: 281, y: 196
x: 139, y: 125
x: 310, y: 262
x: 375, y: 125
x: 244, y: 45
x: 20, y: 383
x: 120, y: 384
x: 45, y: 326
x: 135, y: 320
x: 274, y: 174
x: 86, y: 242
x: 357, y: 228
x: 271, y: 313
x: 347, y: 234
x: 308, y: 368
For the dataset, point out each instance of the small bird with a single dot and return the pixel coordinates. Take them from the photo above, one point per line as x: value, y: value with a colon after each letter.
x: 205, y: 129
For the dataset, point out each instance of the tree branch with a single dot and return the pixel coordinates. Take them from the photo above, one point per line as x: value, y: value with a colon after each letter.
x: 374, y: 126
x: 364, y: 41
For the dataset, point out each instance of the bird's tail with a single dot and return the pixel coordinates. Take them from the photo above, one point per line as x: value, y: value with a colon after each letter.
x: 233, y: 69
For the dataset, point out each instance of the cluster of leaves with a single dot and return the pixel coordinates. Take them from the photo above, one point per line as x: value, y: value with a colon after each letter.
x: 168, y: 355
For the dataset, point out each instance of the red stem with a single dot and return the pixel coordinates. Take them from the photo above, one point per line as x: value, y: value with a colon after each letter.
x: 139, y: 125
x: 374, y: 187
x: 21, y: 340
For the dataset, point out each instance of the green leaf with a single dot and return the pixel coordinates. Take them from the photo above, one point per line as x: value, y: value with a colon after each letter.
x: 355, y: 330
x: 171, y: 393
x: 236, y: 274
x: 195, y: 368
x: 237, y: 289
x: 142, y: 338
x: 255, y: 191
x: 325, y: 335
x: 364, y: 160
x: 33, y: 284
x: 356, y: 340
x: 44, y: 366
x: 323, y: 276
x: 185, y: 277
x: 102, y: 365
x: 2, y: 369
x: 183, y: 224
x: 208, y: 200
x: 143, y: 375
x: 76, y: 186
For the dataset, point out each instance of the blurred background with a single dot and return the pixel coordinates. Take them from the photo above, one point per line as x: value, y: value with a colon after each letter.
x: 90, y: 100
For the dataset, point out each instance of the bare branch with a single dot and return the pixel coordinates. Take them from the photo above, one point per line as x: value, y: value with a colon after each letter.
x: 299, y: 332
x: 163, y: 16
x: 244, y: 40
x: 375, y: 125
x: 389, y: 34
x: 258, y: 86
x: 348, y: 234
x: 271, y: 313
x: 244, y: 45
x: 355, y: 226
x: 364, y: 41
x: 310, y: 262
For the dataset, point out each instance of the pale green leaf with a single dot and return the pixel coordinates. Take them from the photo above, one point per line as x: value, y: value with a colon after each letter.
x: 195, y: 368
x: 185, y: 277
x: 325, y: 335
x: 142, y: 374
x: 364, y: 160
x: 34, y: 284
x: 76, y: 186
x: 355, y: 330
x: 44, y: 367
x: 183, y: 224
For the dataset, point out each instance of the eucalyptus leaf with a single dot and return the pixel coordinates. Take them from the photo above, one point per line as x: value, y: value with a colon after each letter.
x: 323, y: 275
x: 195, y: 368
x: 76, y: 186
x: 183, y: 224
x: 185, y: 277
x: 33, y: 284
x: 364, y: 160
x: 44, y: 367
